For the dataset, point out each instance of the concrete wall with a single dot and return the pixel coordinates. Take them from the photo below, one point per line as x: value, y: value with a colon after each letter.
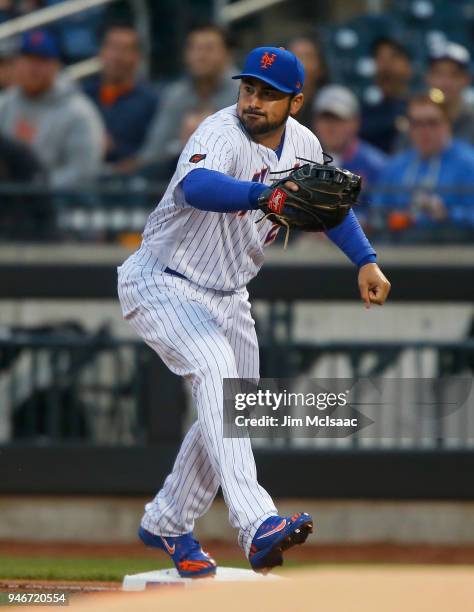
x: 87, y: 519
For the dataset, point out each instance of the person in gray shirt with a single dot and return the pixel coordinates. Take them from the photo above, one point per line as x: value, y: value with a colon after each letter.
x: 47, y: 113
x: 205, y: 88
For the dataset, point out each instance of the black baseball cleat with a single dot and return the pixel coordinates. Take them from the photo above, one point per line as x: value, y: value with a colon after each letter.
x: 276, y: 535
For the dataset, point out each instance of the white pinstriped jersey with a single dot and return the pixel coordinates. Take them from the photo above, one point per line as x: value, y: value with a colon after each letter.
x: 203, y: 329
x: 222, y: 251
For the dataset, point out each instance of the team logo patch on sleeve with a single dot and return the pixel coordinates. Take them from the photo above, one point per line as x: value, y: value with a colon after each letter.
x: 197, y: 157
x: 275, y: 203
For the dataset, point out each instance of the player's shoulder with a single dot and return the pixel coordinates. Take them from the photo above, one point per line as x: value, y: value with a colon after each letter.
x: 222, y: 126
x: 224, y: 122
x: 219, y: 134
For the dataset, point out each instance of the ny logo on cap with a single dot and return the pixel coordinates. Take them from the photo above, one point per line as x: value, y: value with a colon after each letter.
x: 267, y: 59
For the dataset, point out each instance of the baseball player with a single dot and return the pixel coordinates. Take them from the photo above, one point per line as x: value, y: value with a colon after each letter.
x: 184, y: 292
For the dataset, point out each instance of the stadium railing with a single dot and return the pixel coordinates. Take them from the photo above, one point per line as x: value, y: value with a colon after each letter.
x: 71, y: 386
x: 90, y: 414
x: 107, y: 210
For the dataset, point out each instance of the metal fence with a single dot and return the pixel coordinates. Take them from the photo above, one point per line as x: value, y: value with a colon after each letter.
x: 96, y: 390
x: 88, y: 388
x: 94, y: 213
x: 409, y: 372
x: 113, y: 207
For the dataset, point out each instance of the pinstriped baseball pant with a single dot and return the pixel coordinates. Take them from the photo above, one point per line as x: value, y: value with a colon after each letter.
x: 205, y: 336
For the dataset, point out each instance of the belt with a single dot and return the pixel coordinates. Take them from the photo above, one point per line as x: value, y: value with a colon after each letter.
x: 174, y: 273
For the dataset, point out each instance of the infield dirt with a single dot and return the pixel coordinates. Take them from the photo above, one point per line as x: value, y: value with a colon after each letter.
x: 413, y: 589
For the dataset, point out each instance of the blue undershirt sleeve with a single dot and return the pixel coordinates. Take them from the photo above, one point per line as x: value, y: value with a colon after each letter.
x: 216, y: 192
x: 350, y: 238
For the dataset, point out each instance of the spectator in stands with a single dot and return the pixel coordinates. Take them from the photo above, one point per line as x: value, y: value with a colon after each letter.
x: 449, y: 71
x: 310, y: 53
x: 431, y: 184
x: 381, y: 120
x: 9, y: 9
x: 8, y: 51
x: 126, y: 102
x: 336, y: 123
x: 47, y: 113
x: 207, y: 85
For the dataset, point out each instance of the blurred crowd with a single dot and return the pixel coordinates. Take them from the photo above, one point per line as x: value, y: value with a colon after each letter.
x: 413, y: 145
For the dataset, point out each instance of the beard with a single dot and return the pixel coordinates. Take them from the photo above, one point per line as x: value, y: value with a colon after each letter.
x: 256, y: 123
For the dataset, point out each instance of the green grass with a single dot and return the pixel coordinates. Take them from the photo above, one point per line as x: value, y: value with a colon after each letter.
x: 107, y: 569
x: 59, y: 568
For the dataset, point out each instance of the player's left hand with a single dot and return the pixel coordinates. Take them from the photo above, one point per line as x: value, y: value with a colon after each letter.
x: 373, y: 285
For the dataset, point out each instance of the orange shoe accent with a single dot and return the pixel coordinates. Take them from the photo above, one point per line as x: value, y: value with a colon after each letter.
x: 195, y: 566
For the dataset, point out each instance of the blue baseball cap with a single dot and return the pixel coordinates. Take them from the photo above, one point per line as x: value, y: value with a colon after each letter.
x: 276, y: 66
x: 39, y: 43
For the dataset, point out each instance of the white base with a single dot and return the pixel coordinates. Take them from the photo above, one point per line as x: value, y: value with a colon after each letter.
x: 146, y: 580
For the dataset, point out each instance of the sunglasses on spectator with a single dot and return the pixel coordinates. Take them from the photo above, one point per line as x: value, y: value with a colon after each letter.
x: 428, y: 122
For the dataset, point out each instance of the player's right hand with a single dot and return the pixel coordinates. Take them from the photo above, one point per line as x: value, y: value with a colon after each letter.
x: 373, y: 285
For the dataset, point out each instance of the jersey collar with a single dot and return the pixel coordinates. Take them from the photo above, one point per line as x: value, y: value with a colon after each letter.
x: 279, y: 149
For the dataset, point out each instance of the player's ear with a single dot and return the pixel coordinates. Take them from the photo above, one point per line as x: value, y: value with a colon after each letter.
x: 296, y: 103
